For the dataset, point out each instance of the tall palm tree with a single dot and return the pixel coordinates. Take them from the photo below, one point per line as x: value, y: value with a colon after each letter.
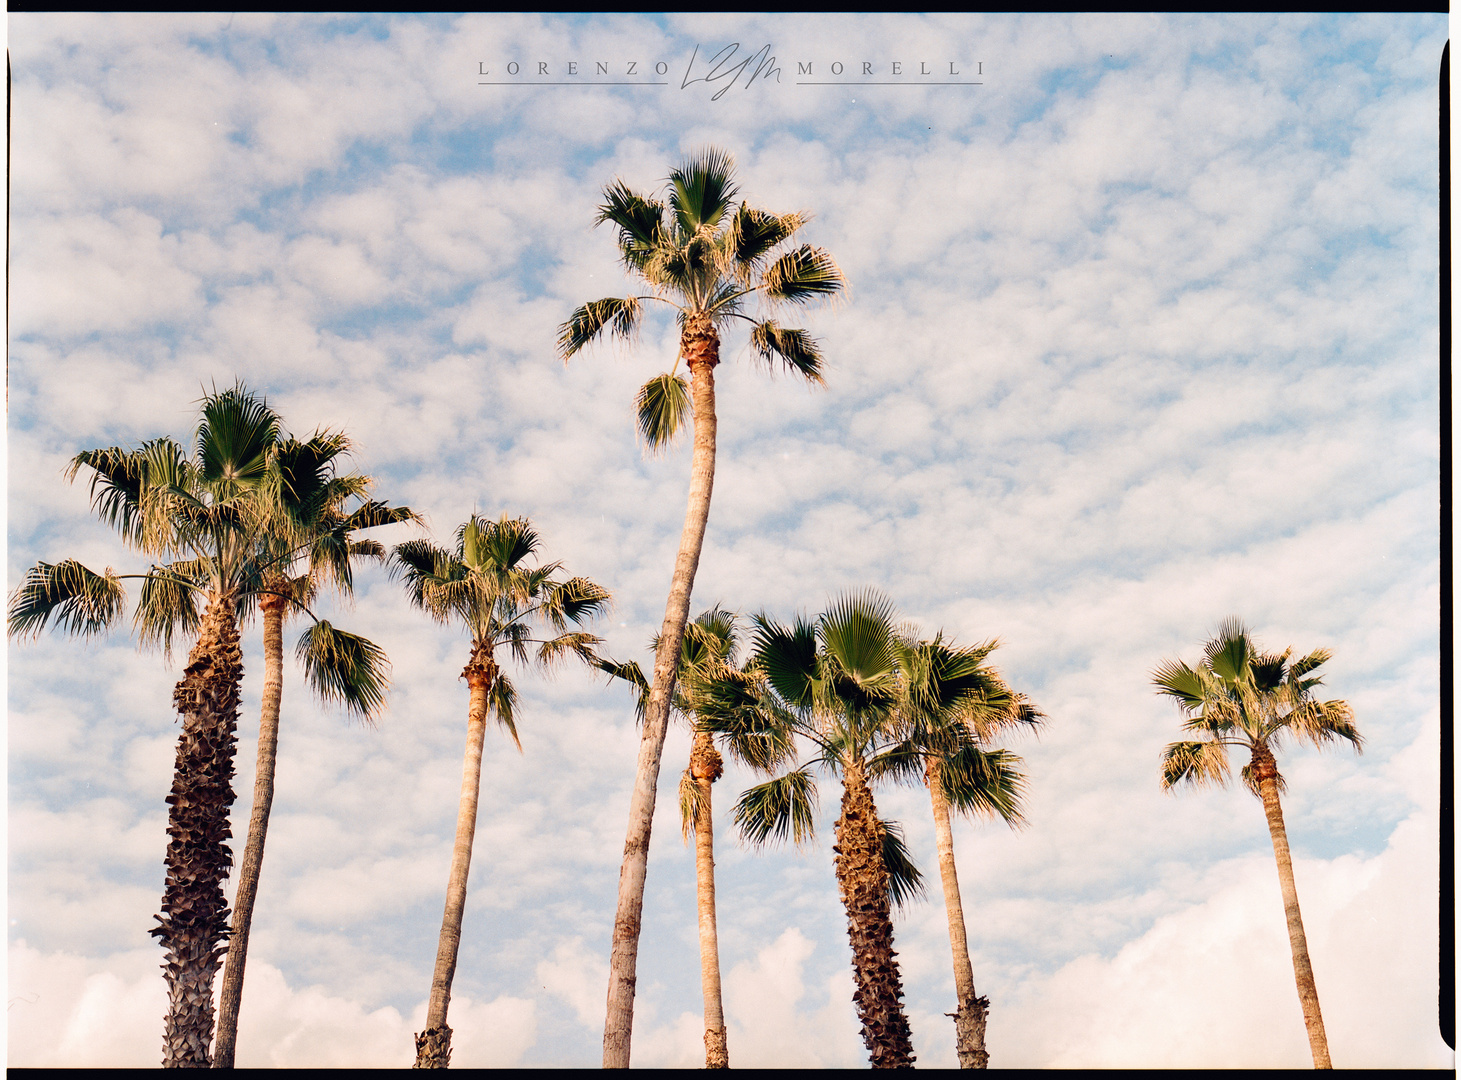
x: 952, y: 705
x: 314, y: 534
x: 721, y: 698
x: 710, y: 259
x: 835, y: 682
x: 487, y: 586
x: 1241, y: 697
x: 202, y: 518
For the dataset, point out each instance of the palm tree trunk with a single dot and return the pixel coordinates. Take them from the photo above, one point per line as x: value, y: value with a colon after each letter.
x: 864, y: 886
x: 706, y: 768
x: 194, y: 917
x: 272, y: 609
x: 969, y: 1021
x: 433, y: 1046
x: 700, y: 347
x: 1265, y: 774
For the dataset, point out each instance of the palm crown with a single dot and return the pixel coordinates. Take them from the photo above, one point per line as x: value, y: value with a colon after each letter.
x: 1239, y: 696
x: 710, y: 258
x: 487, y: 585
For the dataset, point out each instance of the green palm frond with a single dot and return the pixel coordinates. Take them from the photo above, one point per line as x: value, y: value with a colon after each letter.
x: 753, y: 233
x: 984, y: 782
x: 168, y: 603
x: 425, y: 569
x: 702, y: 189
x: 631, y: 673
x: 235, y: 436
x: 1315, y: 659
x: 77, y: 599
x: 902, y: 763
x: 662, y: 406
x: 1177, y: 680
x: 795, y: 349
x: 735, y: 706
x: 857, y: 633
x: 640, y: 222
x: 1229, y: 651
x: 502, y: 707
x: 905, y: 880
x: 1195, y: 763
x: 788, y: 656
x: 779, y: 809
x: 617, y: 316
x: 802, y: 275
x: 345, y: 668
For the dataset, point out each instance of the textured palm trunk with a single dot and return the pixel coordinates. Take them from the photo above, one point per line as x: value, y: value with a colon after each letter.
x: 433, y: 1045
x: 194, y: 919
x: 1265, y: 775
x: 706, y: 768
x: 272, y: 610
x: 969, y: 1021
x: 700, y: 347
x: 863, y: 883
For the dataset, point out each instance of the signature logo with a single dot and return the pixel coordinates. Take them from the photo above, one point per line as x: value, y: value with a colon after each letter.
x: 730, y: 67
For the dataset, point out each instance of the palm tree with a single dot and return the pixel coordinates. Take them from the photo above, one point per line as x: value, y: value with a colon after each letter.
x: 487, y: 586
x: 720, y: 698
x: 203, y: 518
x: 1241, y: 697
x: 952, y: 705
x: 312, y: 525
x: 709, y: 259
x: 835, y: 682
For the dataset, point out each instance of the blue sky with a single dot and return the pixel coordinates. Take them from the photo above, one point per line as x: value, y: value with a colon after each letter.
x: 1142, y: 332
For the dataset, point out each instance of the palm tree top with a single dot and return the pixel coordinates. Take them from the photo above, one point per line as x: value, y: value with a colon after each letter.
x: 708, y: 256
x: 1239, y: 695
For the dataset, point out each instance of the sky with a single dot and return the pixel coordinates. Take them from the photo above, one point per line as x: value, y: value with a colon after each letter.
x: 1141, y: 332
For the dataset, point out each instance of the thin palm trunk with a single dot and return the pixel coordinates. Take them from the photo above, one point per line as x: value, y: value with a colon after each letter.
x: 969, y: 1021
x: 863, y: 883
x: 706, y: 768
x: 700, y: 347
x: 194, y: 917
x: 272, y: 610
x: 1265, y: 774
x: 433, y: 1045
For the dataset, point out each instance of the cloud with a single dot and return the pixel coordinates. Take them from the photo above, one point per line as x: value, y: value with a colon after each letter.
x: 68, y: 1011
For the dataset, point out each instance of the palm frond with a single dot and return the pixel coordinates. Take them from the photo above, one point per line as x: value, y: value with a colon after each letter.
x: 795, y: 349
x: 640, y: 222
x: 345, y: 668
x: 617, y: 316
x: 1176, y: 679
x: 702, y: 189
x: 234, y: 439
x: 692, y: 801
x: 788, y: 656
x: 662, y: 406
x: 77, y: 599
x: 576, y: 643
x: 778, y: 809
x: 754, y: 232
x: 168, y: 603
x: 985, y: 782
x: 902, y: 763
x: 905, y: 880
x: 1196, y: 763
x: 631, y: 673
x: 502, y: 706
x: 803, y: 275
